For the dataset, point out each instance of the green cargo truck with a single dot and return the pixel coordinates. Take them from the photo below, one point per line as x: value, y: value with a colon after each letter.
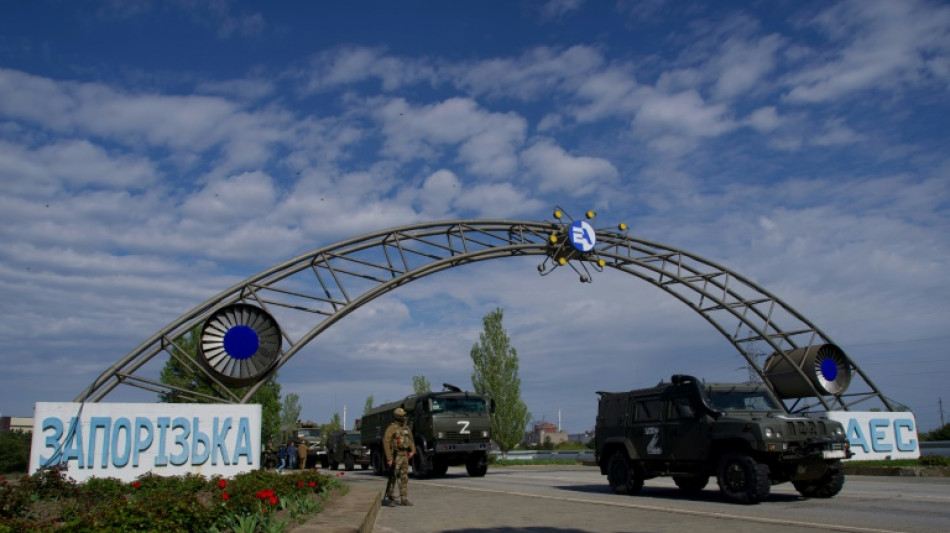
x: 450, y: 428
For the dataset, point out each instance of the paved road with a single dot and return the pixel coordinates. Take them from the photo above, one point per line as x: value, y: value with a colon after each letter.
x: 577, y: 500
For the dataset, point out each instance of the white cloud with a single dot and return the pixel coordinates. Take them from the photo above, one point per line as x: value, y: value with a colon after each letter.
x: 836, y: 133
x: 498, y: 200
x: 438, y: 193
x: 348, y: 65
x: 609, y: 92
x: 486, y: 141
x: 530, y: 75
x: 673, y: 123
x: 556, y: 9
x: 557, y: 171
x: 875, y: 44
x: 743, y: 65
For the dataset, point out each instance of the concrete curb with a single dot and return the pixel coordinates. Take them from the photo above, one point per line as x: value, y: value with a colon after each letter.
x: 355, y: 512
x: 901, y: 471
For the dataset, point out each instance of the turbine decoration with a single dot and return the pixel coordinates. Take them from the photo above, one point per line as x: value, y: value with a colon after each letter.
x: 239, y: 344
x: 825, y: 366
x: 573, y: 244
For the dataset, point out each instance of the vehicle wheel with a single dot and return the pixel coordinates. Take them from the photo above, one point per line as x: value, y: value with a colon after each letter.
x: 827, y: 486
x: 378, y: 464
x: 691, y: 484
x: 742, y: 479
x: 348, y: 462
x: 334, y: 465
x: 364, y: 466
x: 476, y: 465
x: 440, y: 468
x: 622, y: 477
x: 421, y: 466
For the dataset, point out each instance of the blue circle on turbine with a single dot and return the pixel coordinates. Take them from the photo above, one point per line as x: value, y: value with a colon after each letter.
x: 829, y: 369
x: 241, y: 342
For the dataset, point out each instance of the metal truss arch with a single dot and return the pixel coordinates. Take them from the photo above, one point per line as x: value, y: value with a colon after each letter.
x: 325, y: 285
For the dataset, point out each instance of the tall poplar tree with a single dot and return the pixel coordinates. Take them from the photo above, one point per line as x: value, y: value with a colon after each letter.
x: 496, y: 378
x: 289, y: 415
x: 421, y: 385
x: 368, y: 405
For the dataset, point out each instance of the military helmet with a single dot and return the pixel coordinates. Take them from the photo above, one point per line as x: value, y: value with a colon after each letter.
x: 399, y: 413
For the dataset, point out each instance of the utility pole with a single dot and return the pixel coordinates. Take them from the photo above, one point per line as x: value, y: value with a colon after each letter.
x: 943, y: 421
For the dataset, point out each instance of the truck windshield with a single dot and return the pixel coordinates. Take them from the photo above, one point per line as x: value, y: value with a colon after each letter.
x: 743, y: 400
x: 354, y: 439
x: 309, y: 433
x: 458, y: 405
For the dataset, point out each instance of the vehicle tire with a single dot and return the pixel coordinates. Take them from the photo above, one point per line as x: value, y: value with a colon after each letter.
x: 348, y: 462
x: 334, y: 465
x: 691, y: 484
x: 440, y: 468
x: 364, y: 466
x: 827, y: 486
x: 421, y: 466
x: 379, y: 466
x: 476, y: 465
x: 623, y: 478
x: 742, y: 479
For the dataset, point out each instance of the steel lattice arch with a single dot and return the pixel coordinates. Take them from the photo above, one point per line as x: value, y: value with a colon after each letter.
x: 241, y: 343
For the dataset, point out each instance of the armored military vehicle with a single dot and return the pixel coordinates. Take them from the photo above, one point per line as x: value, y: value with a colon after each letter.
x: 345, y: 447
x: 316, y: 447
x: 739, y: 433
x: 450, y: 428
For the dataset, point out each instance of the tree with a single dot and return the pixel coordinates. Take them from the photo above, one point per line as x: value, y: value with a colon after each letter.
x: 941, y: 433
x: 183, y: 376
x: 333, y: 425
x: 496, y: 378
x: 368, y: 405
x: 289, y: 414
x: 15, y: 451
x: 268, y: 396
x: 421, y: 385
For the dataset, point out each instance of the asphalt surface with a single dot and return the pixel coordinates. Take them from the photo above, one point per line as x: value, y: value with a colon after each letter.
x: 559, y: 499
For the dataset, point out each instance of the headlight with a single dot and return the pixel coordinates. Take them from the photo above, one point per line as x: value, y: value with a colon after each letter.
x: 440, y: 435
x: 769, y: 433
x: 485, y: 433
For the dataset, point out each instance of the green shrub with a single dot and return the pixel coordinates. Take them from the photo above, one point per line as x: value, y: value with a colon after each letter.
x: 13, y: 502
x: 49, y: 501
x: 934, y: 460
x: 15, y: 451
x: 49, y: 484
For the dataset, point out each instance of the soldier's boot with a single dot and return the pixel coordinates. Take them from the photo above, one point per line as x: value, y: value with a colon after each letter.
x: 389, y: 501
x: 406, y: 502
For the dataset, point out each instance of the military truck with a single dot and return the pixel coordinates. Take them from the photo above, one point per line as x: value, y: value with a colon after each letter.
x: 739, y: 433
x: 346, y: 447
x: 450, y: 428
x: 316, y: 447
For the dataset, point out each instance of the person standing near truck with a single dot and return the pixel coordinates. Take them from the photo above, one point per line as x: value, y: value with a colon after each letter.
x: 399, y: 449
x: 302, y: 454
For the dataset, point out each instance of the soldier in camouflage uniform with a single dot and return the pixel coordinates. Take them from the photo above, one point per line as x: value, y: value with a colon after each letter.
x: 399, y: 449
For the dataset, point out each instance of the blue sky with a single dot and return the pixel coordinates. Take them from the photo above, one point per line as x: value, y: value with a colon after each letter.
x: 152, y: 154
